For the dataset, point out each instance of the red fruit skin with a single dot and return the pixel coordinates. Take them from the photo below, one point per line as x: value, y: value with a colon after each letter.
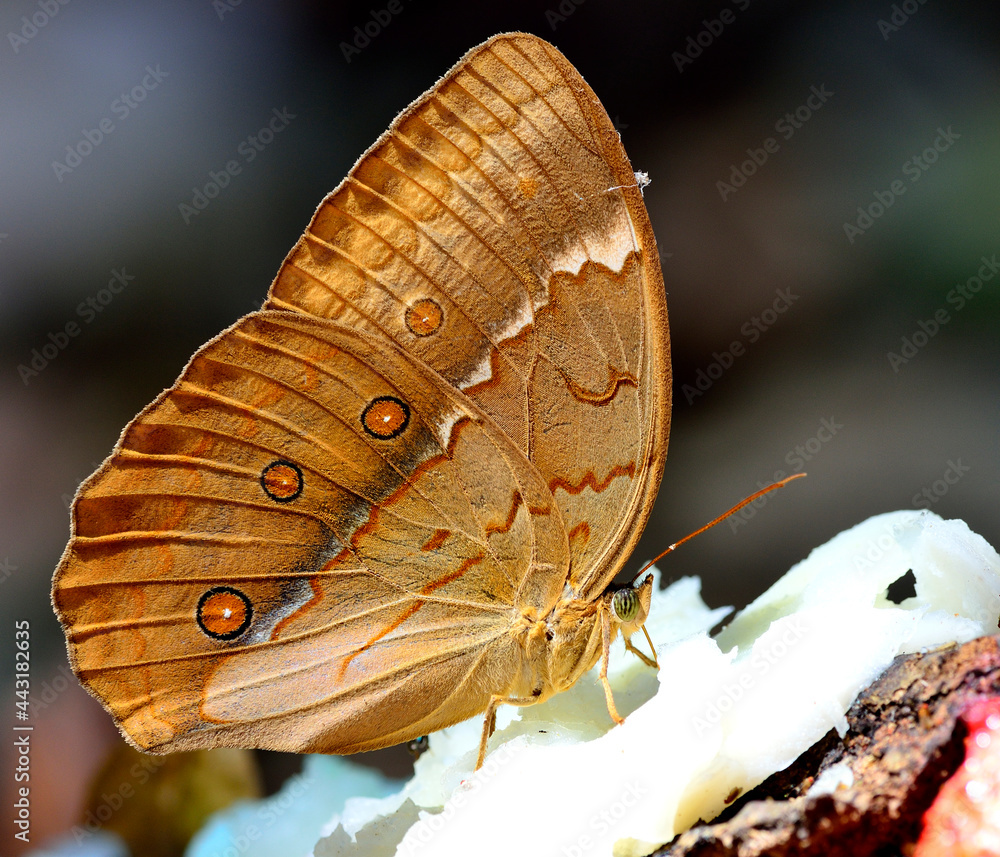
x: 964, y: 820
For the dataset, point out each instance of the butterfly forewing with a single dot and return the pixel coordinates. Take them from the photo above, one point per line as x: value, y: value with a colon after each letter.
x: 372, y: 529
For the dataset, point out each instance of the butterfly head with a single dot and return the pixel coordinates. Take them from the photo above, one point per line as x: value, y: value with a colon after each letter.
x: 630, y: 605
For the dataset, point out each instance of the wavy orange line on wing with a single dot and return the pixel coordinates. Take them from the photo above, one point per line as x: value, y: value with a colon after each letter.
x: 435, y: 541
x: 500, y: 352
x: 582, y: 530
x: 515, y: 504
x: 317, y: 596
x: 429, y: 464
x: 411, y: 610
x: 616, y: 380
x: 590, y: 480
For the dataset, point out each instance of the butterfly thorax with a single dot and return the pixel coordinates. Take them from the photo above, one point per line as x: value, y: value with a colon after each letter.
x: 565, y: 644
x: 576, y: 640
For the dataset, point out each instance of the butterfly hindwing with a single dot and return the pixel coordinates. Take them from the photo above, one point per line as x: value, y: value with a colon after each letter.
x: 497, y: 233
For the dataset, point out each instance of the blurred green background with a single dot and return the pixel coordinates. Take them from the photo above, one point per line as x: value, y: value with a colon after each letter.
x: 696, y: 89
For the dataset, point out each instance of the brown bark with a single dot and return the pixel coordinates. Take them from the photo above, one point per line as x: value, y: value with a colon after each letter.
x: 905, y: 739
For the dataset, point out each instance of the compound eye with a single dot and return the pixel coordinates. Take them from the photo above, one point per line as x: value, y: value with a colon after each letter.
x: 625, y: 605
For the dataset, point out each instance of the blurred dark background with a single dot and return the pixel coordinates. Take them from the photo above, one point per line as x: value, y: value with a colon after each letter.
x: 887, y: 82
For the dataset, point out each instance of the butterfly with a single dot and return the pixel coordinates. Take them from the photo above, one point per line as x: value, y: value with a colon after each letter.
x: 398, y: 495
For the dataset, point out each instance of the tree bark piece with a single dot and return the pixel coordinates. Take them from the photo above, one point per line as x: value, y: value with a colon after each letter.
x: 905, y: 739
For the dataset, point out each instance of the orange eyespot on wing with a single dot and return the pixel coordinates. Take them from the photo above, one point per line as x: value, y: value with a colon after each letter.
x: 424, y: 317
x: 224, y: 613
x: 385, y: 417
x: 281, y: 481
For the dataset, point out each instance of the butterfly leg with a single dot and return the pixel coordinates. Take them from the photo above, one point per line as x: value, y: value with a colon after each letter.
x: 642, y: 656
x: 490, y: 720
x: 605, y: 653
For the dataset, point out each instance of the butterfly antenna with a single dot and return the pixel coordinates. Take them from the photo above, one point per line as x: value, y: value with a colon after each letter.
x: 721, y: 517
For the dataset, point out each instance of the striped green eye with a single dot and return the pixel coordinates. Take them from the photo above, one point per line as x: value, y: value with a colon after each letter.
x: 625, y: 604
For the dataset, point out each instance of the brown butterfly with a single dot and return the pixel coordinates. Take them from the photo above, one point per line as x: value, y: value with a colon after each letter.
x: 398, y: 495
